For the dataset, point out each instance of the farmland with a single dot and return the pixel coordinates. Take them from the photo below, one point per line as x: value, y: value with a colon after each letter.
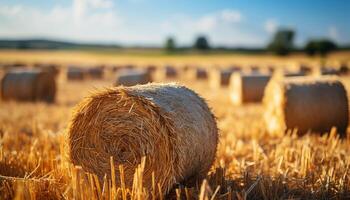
x: 250, y: 163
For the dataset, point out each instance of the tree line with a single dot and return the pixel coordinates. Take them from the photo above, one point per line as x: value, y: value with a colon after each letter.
x: 282, y: 43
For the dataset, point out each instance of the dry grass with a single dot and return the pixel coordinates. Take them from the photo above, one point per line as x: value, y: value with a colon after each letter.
x: 250, y: 163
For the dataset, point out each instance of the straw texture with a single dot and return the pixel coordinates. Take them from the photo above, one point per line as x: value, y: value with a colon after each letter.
x: 168, y: 123
x: 28, y: 85
x: 306, y: 103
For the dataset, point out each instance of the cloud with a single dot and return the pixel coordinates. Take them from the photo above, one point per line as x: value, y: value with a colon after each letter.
x: 271, y: 26
x: 223, y: 27
x: 333, y: 33
x: 82, y: 7
x: 82, y: 20
x: 231, y: 16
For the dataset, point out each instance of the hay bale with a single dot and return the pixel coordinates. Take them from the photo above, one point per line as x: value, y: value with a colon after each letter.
x: 96, y: 72
x: 254, y: 69
x: 50, y: 68
x: 133, y: 77
x: 247, y: 88
x: 151, y: 68
x: 199, y: 73
x: 28, y: 85
x: 329, y: 71
x: 288, y: 73
x: 343, y: 69
x: 170, y: 72
x: 168, y: 123
x: 76, y: 73
x: 306, y: 103
x: 220, y: 78
x: 305, y: 69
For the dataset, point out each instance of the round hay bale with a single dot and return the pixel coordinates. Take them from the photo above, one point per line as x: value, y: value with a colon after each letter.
x: 307, y: 104
x: 235, y: 68
x: 95, y: 72
x: 28, y: 85
x: 76, y: 73
x: 199, y: 73
x: 151, y: 68
x: 288, y: 73
x: 133, y: 77
x: 343, y: 69
x: 50, y: 68
x: 247, y: 88
x: 305, y: 69
x: 168, y: 124
x: 254, y: 69
x: 170, y: 72
x: 220, y: 78
x: 329, y: 71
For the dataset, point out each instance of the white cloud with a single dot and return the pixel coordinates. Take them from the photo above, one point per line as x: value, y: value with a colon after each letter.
x: 223, y: 27
x: 82, y: 7
x: 231, y: 16
x: 271, y: 26
x: 333, y: 33
x: 206, y: 23
x: 83, y: 20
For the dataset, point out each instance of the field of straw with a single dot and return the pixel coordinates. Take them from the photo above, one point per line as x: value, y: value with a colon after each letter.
x: 249, y: 163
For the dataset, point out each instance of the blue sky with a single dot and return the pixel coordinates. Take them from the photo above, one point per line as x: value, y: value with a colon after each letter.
x: 149, y: 22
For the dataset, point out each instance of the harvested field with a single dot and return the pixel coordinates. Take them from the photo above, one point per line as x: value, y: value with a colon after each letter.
x: 250, y: 163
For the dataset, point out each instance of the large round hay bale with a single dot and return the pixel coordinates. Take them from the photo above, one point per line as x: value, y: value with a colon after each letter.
x: 76, y: 73
x: 220, y: 78
x: 133, y: 77
x: 247, y: 88
x: 307, y: 104
x: 28, y: 85
x: 168, y: 124
x: 96, y: 72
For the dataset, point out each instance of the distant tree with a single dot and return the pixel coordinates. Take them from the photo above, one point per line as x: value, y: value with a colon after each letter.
x: 201, y: 43
x: 170, y: 44
x: 282, y: 42
x: 321, y: 47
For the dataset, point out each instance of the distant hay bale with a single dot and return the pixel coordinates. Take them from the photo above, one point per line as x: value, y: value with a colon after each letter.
x: 151, y: 68
x: 235, y: 68
x: 329, y: 71
x: 50, y: 68
x: 247, y: 88
x: 28, y: 85
x: 343, y: 69
x: 76, y: 73
x: 288, y: 73
x: 133, y: 77
x: 220, y: 78
x: 303, y: 68
x: 306, y: 103
x: 170, y: 72
x: 169, y: 124
x: 199, y: 73
x: 96, y: 72
x: 255, y: 69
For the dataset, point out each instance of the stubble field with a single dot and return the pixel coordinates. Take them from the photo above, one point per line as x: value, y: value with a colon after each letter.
x: 250, y: 163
